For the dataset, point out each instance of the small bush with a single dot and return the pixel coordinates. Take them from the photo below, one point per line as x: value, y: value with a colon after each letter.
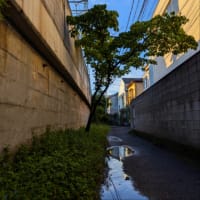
x: 58, y: 165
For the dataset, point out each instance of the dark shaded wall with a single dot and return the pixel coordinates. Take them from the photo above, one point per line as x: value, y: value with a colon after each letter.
x: 171, y: 108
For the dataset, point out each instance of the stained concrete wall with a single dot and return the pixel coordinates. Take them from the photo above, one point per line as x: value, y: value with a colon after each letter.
x: 43, y: 79
x: 171, y: 108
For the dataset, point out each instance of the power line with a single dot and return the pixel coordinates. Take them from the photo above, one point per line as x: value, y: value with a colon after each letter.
x: 142, y: 8
x: 129, y: 17
x: 135, y: 11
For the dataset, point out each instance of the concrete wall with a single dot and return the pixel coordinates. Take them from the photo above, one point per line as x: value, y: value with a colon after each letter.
x: 171, y: 108
x: 43, y: 79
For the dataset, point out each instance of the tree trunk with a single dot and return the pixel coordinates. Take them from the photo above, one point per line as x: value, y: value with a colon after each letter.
x: 92, y: 113
x: 93, y: 108
x: 87, y: 128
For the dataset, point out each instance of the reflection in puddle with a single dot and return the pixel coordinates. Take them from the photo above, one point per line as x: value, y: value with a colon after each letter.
x: 114, y: 139
x: 120, y: 152
x: 119, y: 185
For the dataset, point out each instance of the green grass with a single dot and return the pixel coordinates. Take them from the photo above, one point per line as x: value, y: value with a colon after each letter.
x: 58, y: 165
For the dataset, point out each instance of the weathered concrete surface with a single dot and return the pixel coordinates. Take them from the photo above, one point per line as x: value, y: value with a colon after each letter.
x: 43, y: 79
x: 157, y: 173
x: 171, y: 108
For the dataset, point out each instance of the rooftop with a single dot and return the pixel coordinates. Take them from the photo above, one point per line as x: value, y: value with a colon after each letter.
x: 128, y: 80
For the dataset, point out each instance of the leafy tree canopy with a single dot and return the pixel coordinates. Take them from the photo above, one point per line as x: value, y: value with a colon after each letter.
x: 113, y: 56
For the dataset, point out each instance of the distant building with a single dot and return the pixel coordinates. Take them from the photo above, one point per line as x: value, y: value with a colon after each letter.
x: 146, y: 79
x: 169, y: 62
x: 129, y: 89
x: 134, y: 86
x: 112, y: 107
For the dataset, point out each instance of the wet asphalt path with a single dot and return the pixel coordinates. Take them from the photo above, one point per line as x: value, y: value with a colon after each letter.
x: 157, y: 173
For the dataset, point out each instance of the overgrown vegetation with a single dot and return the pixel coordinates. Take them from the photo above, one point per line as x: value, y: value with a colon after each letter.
x: 58, y: 165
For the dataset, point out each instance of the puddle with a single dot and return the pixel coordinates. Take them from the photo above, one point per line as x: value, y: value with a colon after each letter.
x: 118, y: 185
x: 120, y: 152
x: 114, y: 139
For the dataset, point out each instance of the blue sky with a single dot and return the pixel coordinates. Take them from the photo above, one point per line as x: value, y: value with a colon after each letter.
x: 123, y: 7
x: 129, y: 12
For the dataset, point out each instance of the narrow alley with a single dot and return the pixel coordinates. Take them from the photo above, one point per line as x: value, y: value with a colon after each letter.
x: 155, y: 173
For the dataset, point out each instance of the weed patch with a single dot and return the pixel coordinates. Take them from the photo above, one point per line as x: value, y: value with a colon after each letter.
x: 58, y: 165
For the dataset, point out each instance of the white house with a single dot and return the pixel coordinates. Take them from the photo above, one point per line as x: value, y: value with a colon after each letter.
x: 190, y: 9
x: 112, y: 104
x: 123, y: 90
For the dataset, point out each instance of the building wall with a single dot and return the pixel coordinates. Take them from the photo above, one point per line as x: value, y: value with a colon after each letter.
x: 171, y: 107
x: 131, y: 92
x: 190, y: 9
x: 139, y: 88
x: 134, y: 89
x: 113, y: 101
x: 121, y: 95
x: 43, y: 80
x: 146, y: 79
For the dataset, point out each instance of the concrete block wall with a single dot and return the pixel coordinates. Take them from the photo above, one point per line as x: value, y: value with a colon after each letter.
x: 35, y: 93
x: 47, y: 19
x: 171, y: 108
